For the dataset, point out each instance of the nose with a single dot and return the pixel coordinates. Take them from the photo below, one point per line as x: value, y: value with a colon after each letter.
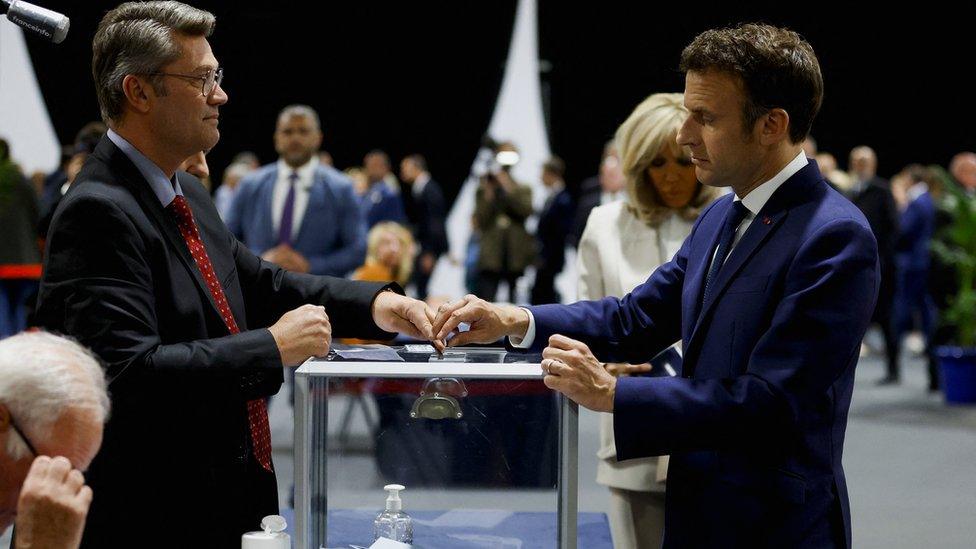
x: 687, y: 136
x: 218, y: 97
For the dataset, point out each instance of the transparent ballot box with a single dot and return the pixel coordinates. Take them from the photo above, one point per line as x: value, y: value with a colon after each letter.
x: 487, y: 454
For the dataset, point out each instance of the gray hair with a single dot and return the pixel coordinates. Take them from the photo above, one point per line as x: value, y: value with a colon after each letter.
x: 238, y: 170
x: 41, y: 377
x: 140, y: 38
x: 303, y: 111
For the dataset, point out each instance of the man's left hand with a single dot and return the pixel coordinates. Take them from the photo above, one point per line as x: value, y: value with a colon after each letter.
x: 571, y: 369
x: 397, y: 313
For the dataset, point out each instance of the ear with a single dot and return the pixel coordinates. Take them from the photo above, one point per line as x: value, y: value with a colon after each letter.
x: 774, y: 127
x: 138, y: 93
x: 318, y: 142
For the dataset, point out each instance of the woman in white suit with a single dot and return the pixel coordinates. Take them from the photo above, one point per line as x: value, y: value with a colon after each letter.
x: 621, y: 246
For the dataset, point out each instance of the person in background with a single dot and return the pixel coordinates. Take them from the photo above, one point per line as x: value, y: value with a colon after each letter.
x: 623, y: 243
x: 836, y: 177
x: 53, y: 405
x: 501, y: 206
x: 55, y: 180
x: 605, y: 187
x: 810, y: 147
x: 197, y: 166
x: 381, y: 201
x: 297, y: 213
x: 325, y: 158
x: 914, y: 189
x: 224, y: 196
x: 85, y: 143
x: 20, y: 255
x: 247, y: 158
x: 555, y: 222
x: 360, y: 183
x: 427, y: 214
x: 390, y: 254
x: 963, y: 170
x: 872, y: 195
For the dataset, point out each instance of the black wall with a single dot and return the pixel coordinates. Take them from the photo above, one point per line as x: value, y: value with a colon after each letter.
x: 423, y: 76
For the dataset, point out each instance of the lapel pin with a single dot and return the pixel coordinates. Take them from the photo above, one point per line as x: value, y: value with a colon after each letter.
x: 767, y: 221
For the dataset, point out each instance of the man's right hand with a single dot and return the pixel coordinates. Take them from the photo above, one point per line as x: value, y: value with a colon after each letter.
x: 52, y: 506
x: 302, y: 333
x: 488, y: 322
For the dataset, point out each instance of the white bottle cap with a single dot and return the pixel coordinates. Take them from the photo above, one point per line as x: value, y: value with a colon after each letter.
x: 272, y: 536
x: 393, y: 502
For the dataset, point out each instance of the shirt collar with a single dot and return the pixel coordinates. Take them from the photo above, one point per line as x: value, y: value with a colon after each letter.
x: 917, y: 190
x: 305, y: 171
x: 420, y: 183
x: 755, y: 200
x: 165, y: 189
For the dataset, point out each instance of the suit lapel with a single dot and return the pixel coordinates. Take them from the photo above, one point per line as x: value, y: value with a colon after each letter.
x: 137, y: 184
x: 266, y: 217
x: 213, y: 233
x: 699, y: 264
x: 759, y: 230
x: 795, y: 190
x: 319, y: 203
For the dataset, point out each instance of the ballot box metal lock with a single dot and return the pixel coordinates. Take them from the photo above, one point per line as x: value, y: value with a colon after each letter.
x: 439, y: 399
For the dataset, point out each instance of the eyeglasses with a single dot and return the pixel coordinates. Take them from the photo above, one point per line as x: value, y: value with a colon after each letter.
x: 209, y: 82
x: 23, y: 437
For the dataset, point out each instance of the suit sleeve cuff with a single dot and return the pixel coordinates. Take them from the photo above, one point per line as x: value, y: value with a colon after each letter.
x: 526, y: 341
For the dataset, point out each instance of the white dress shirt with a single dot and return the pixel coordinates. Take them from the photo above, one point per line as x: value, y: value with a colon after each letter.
x: 306, y: 177
x: 418, y: 185
x: 754, y: 202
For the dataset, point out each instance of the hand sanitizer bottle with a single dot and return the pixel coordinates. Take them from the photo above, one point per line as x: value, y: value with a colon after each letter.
x: 393, y: 523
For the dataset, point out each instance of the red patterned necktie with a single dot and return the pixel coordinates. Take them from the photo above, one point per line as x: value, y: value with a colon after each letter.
x: 257, y: 409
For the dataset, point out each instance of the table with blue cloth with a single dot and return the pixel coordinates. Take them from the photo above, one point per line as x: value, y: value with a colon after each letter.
x: 469, y: 529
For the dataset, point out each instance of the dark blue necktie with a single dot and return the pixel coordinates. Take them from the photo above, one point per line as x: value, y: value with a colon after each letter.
x: 288, y: 212
x: 732, y: 220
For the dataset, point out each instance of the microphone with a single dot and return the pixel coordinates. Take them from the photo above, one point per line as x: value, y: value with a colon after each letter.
x: 46, y: 23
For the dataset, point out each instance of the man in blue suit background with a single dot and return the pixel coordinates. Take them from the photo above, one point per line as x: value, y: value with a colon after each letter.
x: 770, y: 294
x: 298, y: 213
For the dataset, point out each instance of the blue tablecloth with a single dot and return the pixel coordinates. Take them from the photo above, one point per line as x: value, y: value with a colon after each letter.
x: 466, y: 529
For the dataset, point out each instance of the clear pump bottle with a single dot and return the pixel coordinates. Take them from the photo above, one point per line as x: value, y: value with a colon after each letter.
x: 393, y: 523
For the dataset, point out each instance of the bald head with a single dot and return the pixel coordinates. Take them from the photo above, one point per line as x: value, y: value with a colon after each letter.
x: 863, y: 163
x: 963, y: 169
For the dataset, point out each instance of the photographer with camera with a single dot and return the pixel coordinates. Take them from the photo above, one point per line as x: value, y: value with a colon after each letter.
x: 501, y: 207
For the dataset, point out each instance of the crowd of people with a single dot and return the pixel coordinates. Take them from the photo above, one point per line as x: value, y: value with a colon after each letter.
x: 169, y: 280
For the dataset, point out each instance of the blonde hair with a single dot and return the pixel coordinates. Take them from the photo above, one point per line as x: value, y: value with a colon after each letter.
x: 653, y: 125
x: 401, y: 273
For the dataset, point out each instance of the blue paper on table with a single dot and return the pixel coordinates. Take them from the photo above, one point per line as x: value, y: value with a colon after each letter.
x: 367, y: 353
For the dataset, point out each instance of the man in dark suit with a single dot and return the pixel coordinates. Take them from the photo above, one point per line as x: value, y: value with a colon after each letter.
x: 426, y: 212
x: 382, y: 200
x: 193, y: 328
x: 298, y: 213
x: 605, y: 187
x: 872, y: 195
x: 913, y: 189
x: 770, y: 294
x: 555, y: 221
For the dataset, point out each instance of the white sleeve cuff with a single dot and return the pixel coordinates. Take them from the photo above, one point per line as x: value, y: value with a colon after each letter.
x: 525, y: 341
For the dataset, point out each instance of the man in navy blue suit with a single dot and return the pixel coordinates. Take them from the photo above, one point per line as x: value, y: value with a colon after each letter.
x: 770, y: 295
x: 298, y: 213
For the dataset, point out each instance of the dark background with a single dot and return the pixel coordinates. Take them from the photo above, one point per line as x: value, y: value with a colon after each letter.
x: 424, y: 76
